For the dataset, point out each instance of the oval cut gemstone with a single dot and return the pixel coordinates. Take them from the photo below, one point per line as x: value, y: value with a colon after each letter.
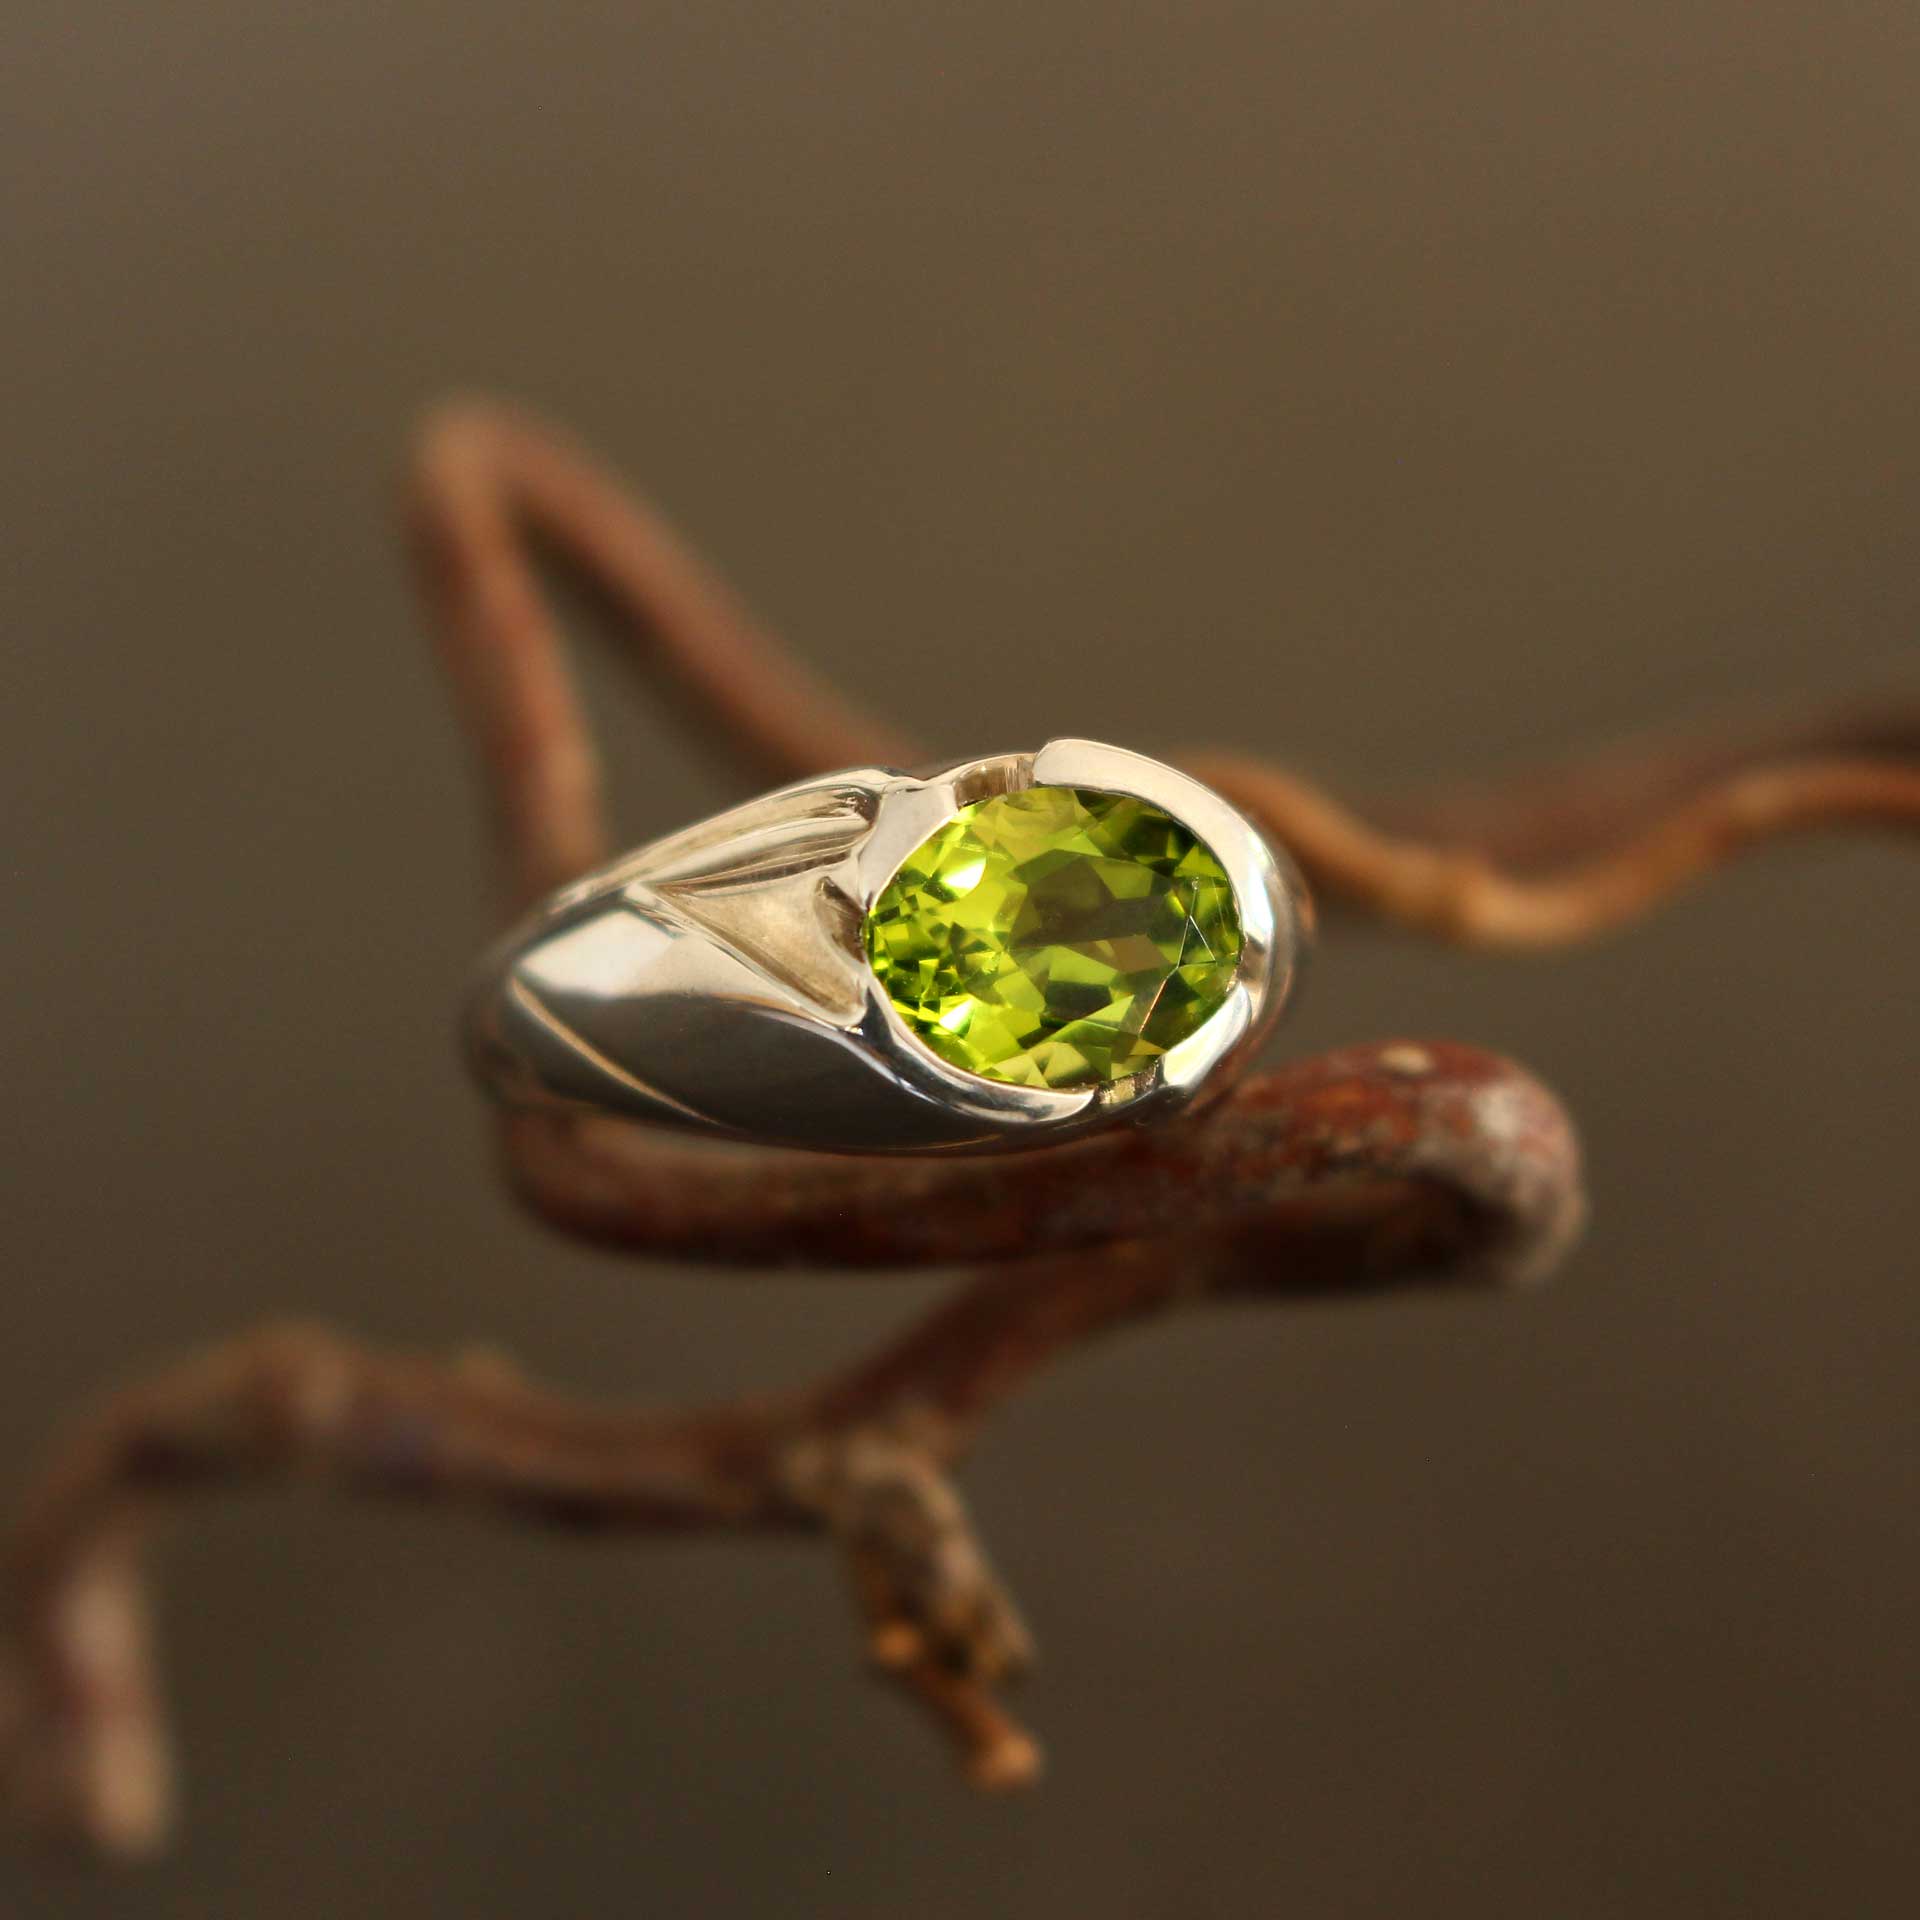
x: 1056, y: 937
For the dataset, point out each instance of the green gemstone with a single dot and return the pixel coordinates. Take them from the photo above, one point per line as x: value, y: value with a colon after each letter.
x: 1056, y: 937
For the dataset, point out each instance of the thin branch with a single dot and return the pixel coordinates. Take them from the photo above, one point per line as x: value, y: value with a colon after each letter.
x: 482, y: 478
x: 1540, y: 860
x: 1369, y: 1168
x: 1458, y: 893
x: 1573, y: 811
x: 1388, y: 1165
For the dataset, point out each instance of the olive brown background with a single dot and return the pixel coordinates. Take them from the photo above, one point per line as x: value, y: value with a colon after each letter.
x: 1401, y: 389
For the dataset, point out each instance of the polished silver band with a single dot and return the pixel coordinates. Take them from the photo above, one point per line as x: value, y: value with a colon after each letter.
x: 717, y: 980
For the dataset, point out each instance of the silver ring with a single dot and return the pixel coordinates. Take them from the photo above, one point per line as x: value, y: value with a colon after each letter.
x: 1010, y: 951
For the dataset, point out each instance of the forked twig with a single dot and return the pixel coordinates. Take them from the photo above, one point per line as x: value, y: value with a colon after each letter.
x: 1367, y: 1168
x: 1612, y: 860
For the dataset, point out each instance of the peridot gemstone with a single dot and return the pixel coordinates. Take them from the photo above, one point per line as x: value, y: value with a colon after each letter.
x: 1056, y: 937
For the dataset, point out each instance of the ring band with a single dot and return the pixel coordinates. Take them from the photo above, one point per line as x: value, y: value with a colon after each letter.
x: 1013, y: 950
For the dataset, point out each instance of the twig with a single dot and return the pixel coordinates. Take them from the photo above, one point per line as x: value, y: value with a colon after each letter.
x: 1458, y: 892
x: 1543, y: 859
x: 483, y: 478
x: 1368, y: 1168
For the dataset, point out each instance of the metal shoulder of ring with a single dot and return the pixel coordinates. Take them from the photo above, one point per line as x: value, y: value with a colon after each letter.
x: 717, y: 980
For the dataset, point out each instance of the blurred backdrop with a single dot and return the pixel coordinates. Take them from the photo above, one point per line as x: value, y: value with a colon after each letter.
x: 1402, y: 389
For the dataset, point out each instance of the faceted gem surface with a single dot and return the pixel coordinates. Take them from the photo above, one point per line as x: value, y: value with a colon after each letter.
x: 1056, y: 937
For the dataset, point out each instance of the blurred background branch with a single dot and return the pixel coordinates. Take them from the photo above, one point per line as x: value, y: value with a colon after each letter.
x: 1347, y: 1173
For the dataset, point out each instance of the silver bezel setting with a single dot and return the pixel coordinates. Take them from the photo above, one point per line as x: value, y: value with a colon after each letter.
x: 744, y: 933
